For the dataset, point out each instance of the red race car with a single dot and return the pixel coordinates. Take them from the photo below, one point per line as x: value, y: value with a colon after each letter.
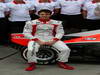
x: 85, y: 46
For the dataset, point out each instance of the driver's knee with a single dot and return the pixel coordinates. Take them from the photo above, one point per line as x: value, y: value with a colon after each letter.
x: 30, y: 45
x: 64, y: 49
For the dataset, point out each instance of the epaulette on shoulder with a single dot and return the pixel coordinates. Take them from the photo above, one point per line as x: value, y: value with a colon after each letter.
x: 28, y: 22
x: 34, y: 20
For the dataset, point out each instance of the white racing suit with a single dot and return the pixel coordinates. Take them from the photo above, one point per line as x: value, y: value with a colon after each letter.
x: 45, y: 31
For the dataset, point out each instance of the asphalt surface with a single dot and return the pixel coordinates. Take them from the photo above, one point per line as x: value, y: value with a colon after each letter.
x: 11, y: 63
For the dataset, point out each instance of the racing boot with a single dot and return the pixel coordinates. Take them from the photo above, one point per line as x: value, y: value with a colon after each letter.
x: 31, y: 66
x: 65, y: 66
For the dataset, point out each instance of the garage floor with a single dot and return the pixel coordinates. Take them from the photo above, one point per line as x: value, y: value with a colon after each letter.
x: 11, y: 63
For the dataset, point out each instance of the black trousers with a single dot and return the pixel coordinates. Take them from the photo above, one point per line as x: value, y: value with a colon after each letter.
x: 55, y: 16
x: 3, y: 30
x: 16, y: 27
x: 72, y: 23
x: 92, y: 24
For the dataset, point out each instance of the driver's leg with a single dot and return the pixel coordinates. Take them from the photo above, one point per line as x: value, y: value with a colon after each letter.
x: 31, y: 55
x: 64, y: 51
x: 63, y: 55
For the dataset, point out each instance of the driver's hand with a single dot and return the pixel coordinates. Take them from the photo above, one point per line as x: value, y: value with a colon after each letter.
x: 40, y: 42
x: 50, y: 42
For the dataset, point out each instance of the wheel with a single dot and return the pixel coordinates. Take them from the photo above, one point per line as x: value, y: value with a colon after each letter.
x: 45, y: 55
x: 24, y: 53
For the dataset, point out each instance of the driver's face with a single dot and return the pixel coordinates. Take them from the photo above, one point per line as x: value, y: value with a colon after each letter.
x: 44, y: 15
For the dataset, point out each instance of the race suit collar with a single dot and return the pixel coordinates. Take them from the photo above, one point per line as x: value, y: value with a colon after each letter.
x: 15, y: 2
x: 43, y: 20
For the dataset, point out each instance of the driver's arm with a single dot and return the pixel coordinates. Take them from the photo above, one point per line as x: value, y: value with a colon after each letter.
x: 28, y: 31
x: 59, y: 31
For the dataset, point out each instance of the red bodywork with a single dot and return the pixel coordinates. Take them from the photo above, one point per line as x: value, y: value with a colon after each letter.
x: 85, y: 39
x: 21, y: 40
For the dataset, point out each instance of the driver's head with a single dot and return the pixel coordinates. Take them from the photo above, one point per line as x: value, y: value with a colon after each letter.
x: 45, y: 14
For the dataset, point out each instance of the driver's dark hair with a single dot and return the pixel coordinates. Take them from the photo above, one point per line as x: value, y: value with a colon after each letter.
x: 45, y: 10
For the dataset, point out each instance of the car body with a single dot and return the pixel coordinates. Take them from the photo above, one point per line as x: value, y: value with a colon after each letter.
x: 85, y: 46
